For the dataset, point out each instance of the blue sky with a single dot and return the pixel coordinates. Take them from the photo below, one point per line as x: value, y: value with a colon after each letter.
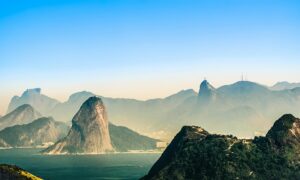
x: 144, y: 48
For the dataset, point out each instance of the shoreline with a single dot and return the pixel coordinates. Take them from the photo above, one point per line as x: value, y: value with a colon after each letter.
x: 82, y: 154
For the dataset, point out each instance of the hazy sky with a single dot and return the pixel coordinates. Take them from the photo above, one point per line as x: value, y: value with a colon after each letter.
x: 144, y: 48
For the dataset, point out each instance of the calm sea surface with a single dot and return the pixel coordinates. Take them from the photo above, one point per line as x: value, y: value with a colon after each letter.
x: 90, y: 167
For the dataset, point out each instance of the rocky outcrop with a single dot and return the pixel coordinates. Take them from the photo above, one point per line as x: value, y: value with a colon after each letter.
x: 286, y: 131
x: 285, y: 134
x: 21, y: 115
x: 89, y: 132
x: 39, y: 133
x: 12, y: 172
x: 196, y: 154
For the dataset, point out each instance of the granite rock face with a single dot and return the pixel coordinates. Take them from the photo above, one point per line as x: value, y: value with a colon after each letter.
x: 89, y: 132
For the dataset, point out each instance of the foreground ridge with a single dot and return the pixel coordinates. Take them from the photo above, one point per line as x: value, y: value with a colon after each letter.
x: 15, y: 173
x: 196, y: 154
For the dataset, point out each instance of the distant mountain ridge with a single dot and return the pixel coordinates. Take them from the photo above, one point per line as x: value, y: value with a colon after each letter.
x: 21, y: 115
x: 40, y: 132
x: 284, y: 85
x: 33, y: 97
x: 227, y: 109
x: 196, y: 154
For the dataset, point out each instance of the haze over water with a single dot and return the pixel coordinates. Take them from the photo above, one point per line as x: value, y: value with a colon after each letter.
x: 61, y: 167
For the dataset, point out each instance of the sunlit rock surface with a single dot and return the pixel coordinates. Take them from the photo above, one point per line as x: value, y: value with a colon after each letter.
x: 89, y: 132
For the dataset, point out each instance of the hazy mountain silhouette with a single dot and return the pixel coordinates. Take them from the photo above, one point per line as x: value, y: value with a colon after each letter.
x: 21, y: 115
x: 284, y: 85
x: 40, y: 132
x: 40, y: 102
x: 227, y: 109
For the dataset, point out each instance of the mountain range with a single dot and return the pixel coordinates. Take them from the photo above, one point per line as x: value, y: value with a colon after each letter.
x: 243, y: 108
x: 25, y: 127
x: 196, y: 154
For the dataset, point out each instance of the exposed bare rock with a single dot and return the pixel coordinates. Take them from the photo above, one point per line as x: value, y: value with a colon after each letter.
x: 89, y: 133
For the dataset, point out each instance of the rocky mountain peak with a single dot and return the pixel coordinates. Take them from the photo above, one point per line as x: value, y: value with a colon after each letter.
x: 89, y: 132
x: 92, y: 103
x: 186, y: 134
x: 192, y: 132
x: 206, y: 86
x: 206, y: 92
x: 286, y: 131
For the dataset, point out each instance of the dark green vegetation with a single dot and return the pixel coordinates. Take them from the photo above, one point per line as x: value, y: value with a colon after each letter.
x: 124, y: 139
x: 196, y: 154
x: 9, y: 172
